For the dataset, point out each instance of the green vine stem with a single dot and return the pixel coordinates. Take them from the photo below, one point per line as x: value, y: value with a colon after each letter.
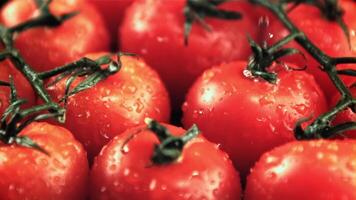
x: 321, y: 126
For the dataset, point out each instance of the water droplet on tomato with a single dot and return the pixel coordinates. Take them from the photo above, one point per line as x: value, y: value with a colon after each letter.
x: 125, y: 149
x: 153, y: 184
x: 351, y: 165
x: 163, y: 187
x: 126, y: 172
x: 320, y: 155
x: 103, y: 189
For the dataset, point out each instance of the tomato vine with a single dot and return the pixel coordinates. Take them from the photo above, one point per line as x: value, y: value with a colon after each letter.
x: 321, y: 127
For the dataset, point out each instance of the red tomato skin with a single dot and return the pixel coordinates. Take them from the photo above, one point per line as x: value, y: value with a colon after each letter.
x: 326, y: 35
x: 154, y: 30
x: 345, y: 116
x: 249, y: 116
x: 310, y: 170
x: 113, y: 12
x: 29, y: 174
x: 121, y: 101
x: 47, y: 48
x: 123, y: 171
x: 24, y: 90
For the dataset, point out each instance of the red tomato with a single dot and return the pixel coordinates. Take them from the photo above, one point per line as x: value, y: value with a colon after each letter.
x: 154, y: 30
x: 30, y: 174
x: 345, y: 116
x: 250, y: 116
x: 326, y: 35
x: 121, y: 101
x: 46, y: 48
x: 203, y: 171
x: 113, y: 12
x: 309, y: 170
x: 23, y: 89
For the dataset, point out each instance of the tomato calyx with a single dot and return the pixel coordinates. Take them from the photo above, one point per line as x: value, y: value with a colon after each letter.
x: 197, y: 10
x: 263, y: 57
x: 170, y: 147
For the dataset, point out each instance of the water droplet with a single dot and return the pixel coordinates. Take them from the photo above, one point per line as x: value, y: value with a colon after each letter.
x: 116, y: 183
x: 163, y: 187
x: 247, y: 73
x: 195, y: 173
x: 351, y: 165
x: 11, y: 187
x: 126, y: 172
x: 152, y: 185
x: 320, y: 155
x: 103, y: 189
x: 271, y: 159
x: 125, y: 149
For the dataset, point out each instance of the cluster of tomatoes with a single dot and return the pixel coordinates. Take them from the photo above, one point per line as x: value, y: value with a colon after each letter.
x: 104, y: 149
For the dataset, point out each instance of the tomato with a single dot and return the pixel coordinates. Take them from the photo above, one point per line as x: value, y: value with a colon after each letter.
x: 121, y: 101
x: 310, y: 170
x: 318, y: 29
x: 46, y: 48
x: 154, y: 30
x: 23, y: 89
x: 123, y: 170
x: 30, y: 174
x: 250, y: 116
x: 113, y: 12
x: 345, y: 116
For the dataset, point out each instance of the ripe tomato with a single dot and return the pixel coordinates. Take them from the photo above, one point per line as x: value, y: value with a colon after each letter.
x: 121, y: 170
x: 318, y: 29
x: 250, y: 116
x: 154, y: 30
x: 345, y: 116
x: 121, y: 101
x: 310, y: 170
x: 46, y: 48
x: 23, y: 89
x: 113, y: 12
x: 30, y: 174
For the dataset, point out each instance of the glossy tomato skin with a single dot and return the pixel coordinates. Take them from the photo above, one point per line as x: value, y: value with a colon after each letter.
x: 113, y: 12
x: 123, y: 170
x: 310, y: 170
x: 326, y: 35
x: 345, y: 116
x: 47, y: 48
x: 250, y: 116
x: 30, y: 174
x: 154, y: 30
x: 23, y: 89
x: 121, y: 101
